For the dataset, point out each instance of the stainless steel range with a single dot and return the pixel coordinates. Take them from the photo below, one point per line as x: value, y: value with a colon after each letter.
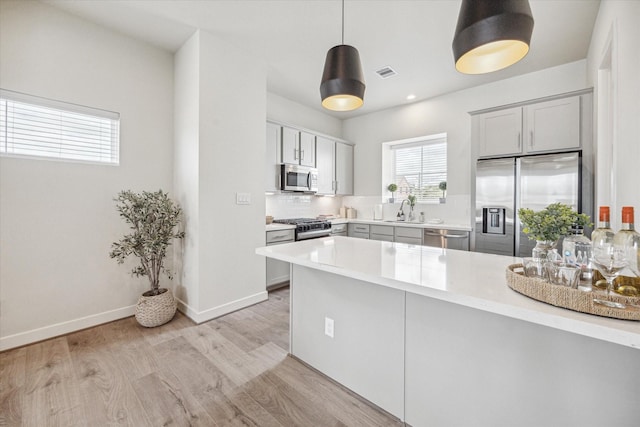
x: 308, y: 228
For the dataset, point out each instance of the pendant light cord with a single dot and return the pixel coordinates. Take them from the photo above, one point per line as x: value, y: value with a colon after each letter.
x: 342, y: 21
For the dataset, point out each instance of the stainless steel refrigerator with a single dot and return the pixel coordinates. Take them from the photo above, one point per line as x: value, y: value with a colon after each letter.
x: 505, y: 185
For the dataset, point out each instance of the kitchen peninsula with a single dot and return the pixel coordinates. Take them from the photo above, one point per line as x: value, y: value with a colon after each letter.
x: 436, y: 337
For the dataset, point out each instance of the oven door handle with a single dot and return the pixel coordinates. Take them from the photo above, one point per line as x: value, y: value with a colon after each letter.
x: 313, y: 234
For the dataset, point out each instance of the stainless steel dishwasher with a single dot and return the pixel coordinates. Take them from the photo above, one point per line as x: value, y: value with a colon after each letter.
x: 448, y: 239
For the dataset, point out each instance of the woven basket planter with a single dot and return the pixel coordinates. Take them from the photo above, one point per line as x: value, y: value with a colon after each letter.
x: 156, y: 310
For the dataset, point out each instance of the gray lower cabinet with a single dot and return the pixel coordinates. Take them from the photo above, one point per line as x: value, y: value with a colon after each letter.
x: 358, y: 230
x: 448, y: 239
x: 339, y: 230
x: 409, y: 235
x: 381, y: 232
x: 278, y: 271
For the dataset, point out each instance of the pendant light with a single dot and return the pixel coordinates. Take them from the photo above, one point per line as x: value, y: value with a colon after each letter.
x: 342, y: 86
x: 491, y: 35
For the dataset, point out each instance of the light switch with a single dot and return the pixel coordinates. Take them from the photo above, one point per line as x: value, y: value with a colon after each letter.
x: 243, y: 198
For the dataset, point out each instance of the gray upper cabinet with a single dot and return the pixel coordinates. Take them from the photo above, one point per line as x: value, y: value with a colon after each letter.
x: 274, y: 140
x: 298, y: 147
x: 500, y: 132
x: 333, y: 159
x: 325, y: 162
x: 552, y: 125
x: 290, y: 145
x: 539, y: 127
x: 344, y: 169
x: 307, y: 149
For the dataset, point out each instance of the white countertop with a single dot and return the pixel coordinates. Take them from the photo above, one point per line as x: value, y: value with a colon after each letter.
x: 276, y: 227
x: 427, y: 224
x: 470, y: 279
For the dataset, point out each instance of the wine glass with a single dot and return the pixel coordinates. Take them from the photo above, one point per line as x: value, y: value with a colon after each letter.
x: 609, y: 259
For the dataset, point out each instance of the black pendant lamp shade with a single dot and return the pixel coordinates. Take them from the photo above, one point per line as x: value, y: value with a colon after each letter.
x: 491, y: 34
x: 342, y: 86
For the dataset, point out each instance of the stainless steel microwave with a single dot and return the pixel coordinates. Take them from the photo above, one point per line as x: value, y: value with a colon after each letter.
x: 298, y: 178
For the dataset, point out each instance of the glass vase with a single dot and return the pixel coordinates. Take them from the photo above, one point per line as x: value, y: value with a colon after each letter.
x: 543, y: 249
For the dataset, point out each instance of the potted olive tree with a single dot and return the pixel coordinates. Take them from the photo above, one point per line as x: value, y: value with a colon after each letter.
x: 153, y: 219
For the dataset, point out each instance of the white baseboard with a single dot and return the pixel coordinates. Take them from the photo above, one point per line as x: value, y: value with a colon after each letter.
x: 51, y: 331
x: 35, y: 335
x: 221, y: 310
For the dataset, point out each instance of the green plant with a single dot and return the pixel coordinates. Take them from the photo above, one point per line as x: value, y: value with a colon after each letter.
x: 392, y: 187
x: 443, y: 187
x: 412, y: 200
x: 552, y: 222
x: 153, y: 218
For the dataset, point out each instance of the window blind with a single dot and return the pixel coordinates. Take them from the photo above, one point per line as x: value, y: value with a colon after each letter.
x: 419, y: 167
x: 31, y: 126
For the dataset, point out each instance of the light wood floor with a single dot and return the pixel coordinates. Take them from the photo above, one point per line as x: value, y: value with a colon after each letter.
x: 231, y: 371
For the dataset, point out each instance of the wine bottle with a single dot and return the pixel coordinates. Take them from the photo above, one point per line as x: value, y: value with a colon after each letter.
x: 602, y: 233
x: 629, y: 239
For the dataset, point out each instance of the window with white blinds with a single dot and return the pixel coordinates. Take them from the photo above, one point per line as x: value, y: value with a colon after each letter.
x: 31, y: 126
x: 418, y: 168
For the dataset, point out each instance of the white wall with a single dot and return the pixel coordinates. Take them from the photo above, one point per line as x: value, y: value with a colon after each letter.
x: 619, y: 19
x: 290, y: 112
x: 448, y: 113
x: 186, y: 166
x: 57, y: 219
x: 221, y: 271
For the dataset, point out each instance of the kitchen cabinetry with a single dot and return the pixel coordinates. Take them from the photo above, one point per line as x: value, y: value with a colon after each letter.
x: 273, y: 158
x: 552, y: 125
x: 344, y: 169
x: 278, y: 271
x: 408, y: 235
x: 358, y: 230
x: 381, y: 232
x: 339, y: 230
x: 298, y: 147
x: 325, y: 163
x: 334, y: 161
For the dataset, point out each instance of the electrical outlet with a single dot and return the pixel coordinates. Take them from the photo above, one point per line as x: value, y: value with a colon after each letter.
x: 328, y: 327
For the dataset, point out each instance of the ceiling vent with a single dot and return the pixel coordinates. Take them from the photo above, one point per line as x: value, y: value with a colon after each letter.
x: 386, y: 72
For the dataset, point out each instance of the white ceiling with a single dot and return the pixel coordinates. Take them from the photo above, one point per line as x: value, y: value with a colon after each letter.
x: 412, y: 36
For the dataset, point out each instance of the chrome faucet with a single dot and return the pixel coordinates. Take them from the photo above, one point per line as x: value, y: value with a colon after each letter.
x: 400, y: 216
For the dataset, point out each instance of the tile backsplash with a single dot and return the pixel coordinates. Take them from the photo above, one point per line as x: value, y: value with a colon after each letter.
x: 454, y: 211
x: 294, y: 205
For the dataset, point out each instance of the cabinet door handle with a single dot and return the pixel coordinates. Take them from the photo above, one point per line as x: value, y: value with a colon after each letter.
x: 295, y: 154
x: 519, y: 141
x: 531, y: 140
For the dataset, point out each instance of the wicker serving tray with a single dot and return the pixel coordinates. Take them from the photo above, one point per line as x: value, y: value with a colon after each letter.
x: 573, y: 299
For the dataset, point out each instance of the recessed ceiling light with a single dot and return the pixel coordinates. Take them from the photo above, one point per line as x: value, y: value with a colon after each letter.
x: 411, y: 97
